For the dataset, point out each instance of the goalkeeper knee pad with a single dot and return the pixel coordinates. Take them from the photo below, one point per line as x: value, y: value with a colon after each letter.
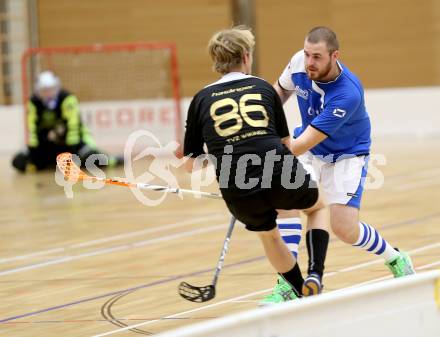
x: 20, y: 161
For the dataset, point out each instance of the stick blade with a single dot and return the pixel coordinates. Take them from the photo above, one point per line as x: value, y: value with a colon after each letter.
x: 70, y: 170
x: 196, y: 294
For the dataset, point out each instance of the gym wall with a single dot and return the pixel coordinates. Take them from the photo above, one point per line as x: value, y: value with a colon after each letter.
x: 189, y: 23
x: 386, y: 43
x: 394, y: 43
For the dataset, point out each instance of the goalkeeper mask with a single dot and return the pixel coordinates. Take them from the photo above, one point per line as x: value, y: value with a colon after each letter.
x: 47, y: 88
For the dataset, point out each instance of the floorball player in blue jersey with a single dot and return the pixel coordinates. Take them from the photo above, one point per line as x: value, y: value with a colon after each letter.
x: 334, y: 141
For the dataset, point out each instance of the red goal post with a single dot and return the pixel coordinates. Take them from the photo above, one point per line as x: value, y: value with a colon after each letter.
x: 121, y: 87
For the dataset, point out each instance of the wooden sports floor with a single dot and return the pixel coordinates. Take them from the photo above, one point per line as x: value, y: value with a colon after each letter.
x: 104, y: 264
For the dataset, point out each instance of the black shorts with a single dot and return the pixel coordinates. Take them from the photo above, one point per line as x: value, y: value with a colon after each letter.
x: 258, y: 210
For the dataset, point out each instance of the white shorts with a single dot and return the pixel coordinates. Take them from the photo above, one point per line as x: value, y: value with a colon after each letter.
x: 341, y: 182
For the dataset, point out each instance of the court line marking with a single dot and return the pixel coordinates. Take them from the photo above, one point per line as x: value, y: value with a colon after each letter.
x: 169, y: 279
x: 425, y: 266
x: 106, y: 321
x: 149, y: 230
x: 411, y: 252
x: 142, y: 286
x: 113, y: 238
x: 426, y: 172
x: 142, y: 243
x: 115, y: 249
x: 414, y: 251
x: 30, y: 255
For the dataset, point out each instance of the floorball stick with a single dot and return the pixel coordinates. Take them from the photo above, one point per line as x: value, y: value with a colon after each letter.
x: 206, y: 293
x: 73, y: 173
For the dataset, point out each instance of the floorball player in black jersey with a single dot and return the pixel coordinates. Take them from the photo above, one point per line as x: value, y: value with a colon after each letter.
x: 241, y: 120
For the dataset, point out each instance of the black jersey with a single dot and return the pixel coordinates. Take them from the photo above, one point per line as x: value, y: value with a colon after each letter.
x: 64, y: 118
x: 241, y: 119
x: 48, y: 117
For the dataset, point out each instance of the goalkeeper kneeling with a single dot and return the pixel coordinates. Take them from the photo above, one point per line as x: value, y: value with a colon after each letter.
x: 54, y: 126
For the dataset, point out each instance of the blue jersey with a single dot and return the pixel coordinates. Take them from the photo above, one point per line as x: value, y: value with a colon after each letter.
x: 336, y: 108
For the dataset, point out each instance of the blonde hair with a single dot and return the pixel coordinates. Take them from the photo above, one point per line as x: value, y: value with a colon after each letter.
x: 227, y: 48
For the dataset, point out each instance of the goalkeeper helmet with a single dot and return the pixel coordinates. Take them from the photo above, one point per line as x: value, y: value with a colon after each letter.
x: 47, y: 88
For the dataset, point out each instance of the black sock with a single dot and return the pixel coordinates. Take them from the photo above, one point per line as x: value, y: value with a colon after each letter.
x: 294, y: 277
x: 317, y: 243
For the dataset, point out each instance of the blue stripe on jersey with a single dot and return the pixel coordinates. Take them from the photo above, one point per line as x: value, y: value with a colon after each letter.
x: 355, y: 201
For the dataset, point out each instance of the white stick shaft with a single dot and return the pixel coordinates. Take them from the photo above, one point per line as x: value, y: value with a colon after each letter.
x: 167, y: 189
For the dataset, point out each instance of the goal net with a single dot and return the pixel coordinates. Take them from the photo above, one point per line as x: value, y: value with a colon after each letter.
x: 121, y: 88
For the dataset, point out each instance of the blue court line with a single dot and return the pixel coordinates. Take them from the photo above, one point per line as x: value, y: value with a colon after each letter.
x: 174, y: 278
x: 148, y: 285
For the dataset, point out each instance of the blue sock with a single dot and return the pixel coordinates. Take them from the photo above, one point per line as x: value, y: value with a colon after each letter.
x: 290, y: 230
x: 372, y: 241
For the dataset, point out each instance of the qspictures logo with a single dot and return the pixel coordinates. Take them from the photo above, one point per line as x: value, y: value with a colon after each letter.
x: 161, y: 162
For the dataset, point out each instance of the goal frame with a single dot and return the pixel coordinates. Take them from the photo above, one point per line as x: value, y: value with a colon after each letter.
x: 103, y: 48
